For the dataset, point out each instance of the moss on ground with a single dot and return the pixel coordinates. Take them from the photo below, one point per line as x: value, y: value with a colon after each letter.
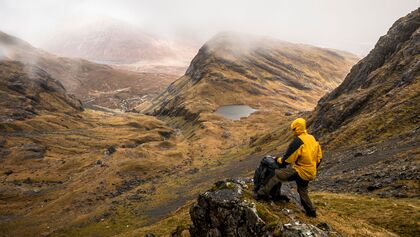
x: 121, y: 221
x: 400, y: 216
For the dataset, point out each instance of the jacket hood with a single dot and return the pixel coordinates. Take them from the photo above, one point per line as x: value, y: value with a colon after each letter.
x: 298, y: 126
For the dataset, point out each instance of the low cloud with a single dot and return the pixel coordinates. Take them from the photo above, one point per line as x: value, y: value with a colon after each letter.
x: 348, y: 25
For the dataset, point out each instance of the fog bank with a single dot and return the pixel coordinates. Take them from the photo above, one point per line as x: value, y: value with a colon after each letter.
x: 348, y: 25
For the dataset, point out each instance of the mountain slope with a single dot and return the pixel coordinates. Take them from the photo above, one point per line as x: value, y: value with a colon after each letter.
x: 379, y: 98
x: 370, y: 123
x: 369, y: 128
x: 94, y: 83
x: 62, y: 166
x: 26, y: 91
x: 263, y: 73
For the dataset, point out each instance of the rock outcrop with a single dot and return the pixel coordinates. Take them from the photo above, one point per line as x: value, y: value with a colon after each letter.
x: 27, y: 90
x: 225, y: 210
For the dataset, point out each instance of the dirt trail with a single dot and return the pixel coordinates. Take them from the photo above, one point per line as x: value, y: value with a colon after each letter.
x: 204, y: 178
x: 370, y: 155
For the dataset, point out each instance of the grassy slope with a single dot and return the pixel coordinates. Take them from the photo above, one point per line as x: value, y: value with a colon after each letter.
x: 263, y: 73
x: 350, y: 215
x: 68, y: 186
x: 204, y: 151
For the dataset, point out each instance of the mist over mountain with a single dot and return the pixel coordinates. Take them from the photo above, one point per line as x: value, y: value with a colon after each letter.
x: 234, y: 68
x: 94, y: 84
x: 27, y: 91
x: 327, y: 23
x: 110, y: 41
x: 135, y: 127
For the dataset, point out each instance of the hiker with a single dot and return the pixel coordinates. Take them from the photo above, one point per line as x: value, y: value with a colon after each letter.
x: 299, y: 164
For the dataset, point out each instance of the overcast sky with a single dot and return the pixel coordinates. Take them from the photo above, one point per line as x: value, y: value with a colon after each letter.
x: 352, y: 25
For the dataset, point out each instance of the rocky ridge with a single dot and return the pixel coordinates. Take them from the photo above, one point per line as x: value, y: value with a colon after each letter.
x: 378, y: 99
x: 264, y: 73
x: 371, y: 121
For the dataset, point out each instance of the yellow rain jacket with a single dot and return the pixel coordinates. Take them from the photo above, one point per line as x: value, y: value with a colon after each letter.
x: 304, y: 153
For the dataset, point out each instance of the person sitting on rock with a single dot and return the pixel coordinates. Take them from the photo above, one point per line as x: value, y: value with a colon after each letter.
x: 299, y: 164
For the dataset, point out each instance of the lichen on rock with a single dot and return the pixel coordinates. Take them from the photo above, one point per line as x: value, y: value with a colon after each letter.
x: 225, y: 210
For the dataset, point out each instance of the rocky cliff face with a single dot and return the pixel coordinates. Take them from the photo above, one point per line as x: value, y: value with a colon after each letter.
x: 28, y: 90
x: 370, y: 123
x: 243, y: 69
x: 379, y: 97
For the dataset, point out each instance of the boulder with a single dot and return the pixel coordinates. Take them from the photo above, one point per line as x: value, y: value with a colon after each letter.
x: 298, y: 229
x: 222, y: 212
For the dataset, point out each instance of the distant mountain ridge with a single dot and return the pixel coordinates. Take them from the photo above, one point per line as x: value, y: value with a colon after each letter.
x: 111, y: 41
x: 91, y: 82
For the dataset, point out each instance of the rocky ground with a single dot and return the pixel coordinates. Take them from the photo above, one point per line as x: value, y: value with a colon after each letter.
x: 228, y: 210
x: 72, y: 172
x: 387, y: 169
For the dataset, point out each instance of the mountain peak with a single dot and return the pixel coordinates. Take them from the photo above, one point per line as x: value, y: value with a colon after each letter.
x: 233, y: 68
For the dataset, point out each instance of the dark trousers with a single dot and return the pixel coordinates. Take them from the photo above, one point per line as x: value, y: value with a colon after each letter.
x: 273, y: 186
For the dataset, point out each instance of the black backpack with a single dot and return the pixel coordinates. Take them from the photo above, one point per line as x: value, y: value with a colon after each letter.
x: 264, y: 171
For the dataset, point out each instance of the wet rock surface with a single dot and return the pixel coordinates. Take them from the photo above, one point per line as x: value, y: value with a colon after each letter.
x: 223, y: 211
x: 298, y: 229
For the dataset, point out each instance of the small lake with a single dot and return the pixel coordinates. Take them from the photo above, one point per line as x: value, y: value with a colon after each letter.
x: 235, y: 112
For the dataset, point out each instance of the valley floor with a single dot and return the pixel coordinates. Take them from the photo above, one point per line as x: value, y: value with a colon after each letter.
x: 350, y: 214
x: 101, y: 192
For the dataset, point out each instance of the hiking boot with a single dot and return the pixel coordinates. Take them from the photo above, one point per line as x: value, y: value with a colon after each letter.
x: 258, y: 197
x: 283, y: 198
x: 311, y: 214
